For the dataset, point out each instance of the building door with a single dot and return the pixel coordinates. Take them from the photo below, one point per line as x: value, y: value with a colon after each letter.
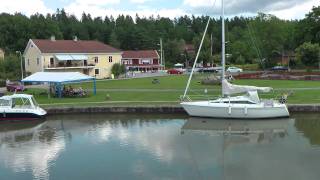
x: 86, y: 71
x: 68, y: 63
x: 85, y: 63
x: 51, y: 62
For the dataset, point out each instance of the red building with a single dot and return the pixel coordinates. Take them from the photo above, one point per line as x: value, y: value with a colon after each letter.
x: 144, y: 60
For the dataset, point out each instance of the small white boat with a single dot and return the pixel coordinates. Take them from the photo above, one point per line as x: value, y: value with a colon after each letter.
x: 228, y: 106
x: 20, y: 107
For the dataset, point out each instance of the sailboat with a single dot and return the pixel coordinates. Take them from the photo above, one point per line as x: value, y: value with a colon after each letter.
x: 247, y: 106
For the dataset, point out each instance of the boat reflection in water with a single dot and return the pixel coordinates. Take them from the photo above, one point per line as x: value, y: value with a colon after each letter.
x: 239, y: 131
x: 29, y: 146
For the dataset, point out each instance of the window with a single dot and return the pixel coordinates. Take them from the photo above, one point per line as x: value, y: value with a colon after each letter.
x: 28, y: 62
x: 125, y: 61
x: 146, y: 61
x: 110, y: 59
x: 96, y: 59
x: 96, y: 71
x: 4, y: 102
x: 238, y: 102
x: 51, y: 61
x: 38, y: 61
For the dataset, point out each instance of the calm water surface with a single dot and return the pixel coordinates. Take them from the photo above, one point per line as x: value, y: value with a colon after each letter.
x: 160, y: 147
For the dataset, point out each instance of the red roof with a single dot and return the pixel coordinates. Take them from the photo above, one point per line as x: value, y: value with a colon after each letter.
x: 71, y: 46
x: 140, y: 54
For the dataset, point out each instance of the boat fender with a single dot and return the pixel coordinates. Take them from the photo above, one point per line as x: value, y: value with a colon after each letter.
x: 245, y: 110
x: 229, y: 110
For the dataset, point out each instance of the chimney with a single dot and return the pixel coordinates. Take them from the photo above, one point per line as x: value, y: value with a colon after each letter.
x: 53, y: 38
x: 75, y: 38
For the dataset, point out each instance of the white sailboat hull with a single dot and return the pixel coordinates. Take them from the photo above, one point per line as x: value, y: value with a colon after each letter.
x: 238, y: 111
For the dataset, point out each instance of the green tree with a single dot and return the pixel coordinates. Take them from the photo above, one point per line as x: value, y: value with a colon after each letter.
x: 118, y: 69
x: 308, y: 29
x: 10, y: 68
x: 308, y: 54
x: 113, y: 40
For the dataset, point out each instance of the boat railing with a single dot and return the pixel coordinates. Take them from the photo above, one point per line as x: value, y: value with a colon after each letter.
x: 190, y: 98
x: 23, y: 107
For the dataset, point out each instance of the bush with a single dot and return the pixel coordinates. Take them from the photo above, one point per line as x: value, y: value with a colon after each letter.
x: 118, y: 69
x: 308, y: 54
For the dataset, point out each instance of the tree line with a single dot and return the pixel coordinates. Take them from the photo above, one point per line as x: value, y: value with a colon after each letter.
x: 258, y: 39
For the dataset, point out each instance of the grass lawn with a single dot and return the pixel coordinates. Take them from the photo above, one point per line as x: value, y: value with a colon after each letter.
x: 143, y: 92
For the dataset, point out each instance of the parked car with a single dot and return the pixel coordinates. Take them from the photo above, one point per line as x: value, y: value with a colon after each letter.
x: 15, y: 86
x: 174, y: 71
x: 234, y: 70
x: 279, y: 68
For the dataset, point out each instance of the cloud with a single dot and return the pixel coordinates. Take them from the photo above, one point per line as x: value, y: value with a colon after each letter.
x: 26, y: 7
x: 139, y: 1
x: 95, y: 11
x: 286, y: 9
x: 296, y: 12
x: 96, y: 2
x: 236, y: 7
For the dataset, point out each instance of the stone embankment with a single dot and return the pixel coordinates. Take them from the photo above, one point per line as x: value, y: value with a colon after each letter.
x: 156, y: 110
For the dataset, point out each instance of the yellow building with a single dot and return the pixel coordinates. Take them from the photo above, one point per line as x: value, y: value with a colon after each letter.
x: 1, y: 53
x: 88, y: 57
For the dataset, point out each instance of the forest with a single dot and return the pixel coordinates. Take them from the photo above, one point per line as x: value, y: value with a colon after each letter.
x: 250, y: 40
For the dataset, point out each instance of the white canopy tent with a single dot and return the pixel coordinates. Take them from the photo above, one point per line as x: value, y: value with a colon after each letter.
x: 59, y: 78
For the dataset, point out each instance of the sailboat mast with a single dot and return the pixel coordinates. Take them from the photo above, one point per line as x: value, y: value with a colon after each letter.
x: 223, y: 53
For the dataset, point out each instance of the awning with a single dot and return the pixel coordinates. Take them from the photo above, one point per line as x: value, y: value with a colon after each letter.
x: 79, y: 57
x: 63, y: 57
x: 71, y: 57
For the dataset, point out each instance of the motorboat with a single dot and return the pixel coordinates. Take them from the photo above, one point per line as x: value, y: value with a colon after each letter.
x: 20, y: 107
x: 232, y: 104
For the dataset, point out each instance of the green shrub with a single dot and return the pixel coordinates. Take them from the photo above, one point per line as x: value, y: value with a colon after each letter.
x: 118, y: 69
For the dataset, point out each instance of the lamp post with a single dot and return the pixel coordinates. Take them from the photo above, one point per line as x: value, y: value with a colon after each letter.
x: 19, y: 52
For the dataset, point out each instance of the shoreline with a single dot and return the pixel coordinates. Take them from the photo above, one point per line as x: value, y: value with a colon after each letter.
x: 155, y: 109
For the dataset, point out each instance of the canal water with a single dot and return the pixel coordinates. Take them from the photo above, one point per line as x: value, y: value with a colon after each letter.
x: 106, y: 146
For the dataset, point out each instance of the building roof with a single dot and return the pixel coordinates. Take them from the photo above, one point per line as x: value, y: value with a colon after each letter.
x: 71, y: 46
x: 140, y: 54
x: 57, y: 77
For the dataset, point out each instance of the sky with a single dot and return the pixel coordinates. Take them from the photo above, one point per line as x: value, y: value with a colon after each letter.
x: 284, y: 9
